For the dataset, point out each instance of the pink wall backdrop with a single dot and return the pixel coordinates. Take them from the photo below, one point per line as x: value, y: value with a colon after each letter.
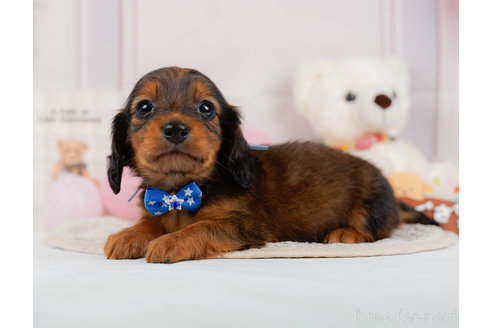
x: 251, y: 50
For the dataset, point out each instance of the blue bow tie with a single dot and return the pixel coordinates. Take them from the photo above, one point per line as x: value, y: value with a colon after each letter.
x: 159, y: 202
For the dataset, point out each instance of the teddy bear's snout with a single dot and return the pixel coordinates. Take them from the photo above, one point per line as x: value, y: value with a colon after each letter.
x: 383, y: 101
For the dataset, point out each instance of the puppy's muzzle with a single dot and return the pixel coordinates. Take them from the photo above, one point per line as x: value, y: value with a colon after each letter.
x: 176, y: 132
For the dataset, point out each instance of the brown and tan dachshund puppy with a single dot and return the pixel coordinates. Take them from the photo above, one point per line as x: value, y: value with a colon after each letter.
x: 177, y: 128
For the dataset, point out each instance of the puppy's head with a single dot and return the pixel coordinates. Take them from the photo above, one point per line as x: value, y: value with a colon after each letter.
x: 177, y: 127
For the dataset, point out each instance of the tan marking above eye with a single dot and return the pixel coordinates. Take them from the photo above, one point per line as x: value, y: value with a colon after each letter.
x: 150, y: 89
x: 200, y: 90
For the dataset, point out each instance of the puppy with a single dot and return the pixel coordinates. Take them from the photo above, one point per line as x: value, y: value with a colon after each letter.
x: 207, y: 193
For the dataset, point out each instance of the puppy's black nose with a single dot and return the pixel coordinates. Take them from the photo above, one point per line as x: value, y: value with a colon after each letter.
x: 176, y: 132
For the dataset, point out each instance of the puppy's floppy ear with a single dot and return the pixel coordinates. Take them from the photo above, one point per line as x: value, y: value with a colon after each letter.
x: 121, y: 151
x: 240, y: 160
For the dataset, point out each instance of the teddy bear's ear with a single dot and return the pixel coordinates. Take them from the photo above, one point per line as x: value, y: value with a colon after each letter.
x: 306, y: 77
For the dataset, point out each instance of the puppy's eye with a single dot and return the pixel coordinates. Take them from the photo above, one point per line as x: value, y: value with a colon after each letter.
x: 206, y: 109
x: 350, y: 96
x: 145, y: 108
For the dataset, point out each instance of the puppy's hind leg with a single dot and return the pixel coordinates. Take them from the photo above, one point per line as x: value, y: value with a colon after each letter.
x: 364, y: 226
x: 344, y: 235
x: 373, y: 218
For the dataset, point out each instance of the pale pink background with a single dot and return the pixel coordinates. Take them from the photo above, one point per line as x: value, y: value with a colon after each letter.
x: 251, y: 50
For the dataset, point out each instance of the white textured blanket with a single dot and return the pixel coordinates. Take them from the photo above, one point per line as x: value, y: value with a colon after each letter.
x: 89, y: 236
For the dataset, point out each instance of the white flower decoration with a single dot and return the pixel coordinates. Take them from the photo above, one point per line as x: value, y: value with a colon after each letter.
x: 442, y: 213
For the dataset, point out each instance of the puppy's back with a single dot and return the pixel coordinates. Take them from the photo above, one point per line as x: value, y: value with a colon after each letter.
x: 318, y: 189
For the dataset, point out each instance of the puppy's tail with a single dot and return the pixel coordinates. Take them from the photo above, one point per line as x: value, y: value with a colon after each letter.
x: 410, y: 215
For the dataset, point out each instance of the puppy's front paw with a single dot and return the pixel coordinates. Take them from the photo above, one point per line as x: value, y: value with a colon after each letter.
x: 127, y: 244
x: 169, y: 249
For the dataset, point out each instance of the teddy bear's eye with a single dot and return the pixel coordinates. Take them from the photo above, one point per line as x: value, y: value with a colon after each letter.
x: 350, y: 96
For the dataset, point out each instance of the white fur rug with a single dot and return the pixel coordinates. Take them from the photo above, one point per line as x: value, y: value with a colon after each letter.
x: 89, y: 236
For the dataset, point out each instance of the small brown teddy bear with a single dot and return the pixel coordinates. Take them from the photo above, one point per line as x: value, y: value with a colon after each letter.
x: 408, y: 185
x: 71, y: 159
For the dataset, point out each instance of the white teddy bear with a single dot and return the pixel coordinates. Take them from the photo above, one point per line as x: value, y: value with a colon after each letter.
x: 361, y: 105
